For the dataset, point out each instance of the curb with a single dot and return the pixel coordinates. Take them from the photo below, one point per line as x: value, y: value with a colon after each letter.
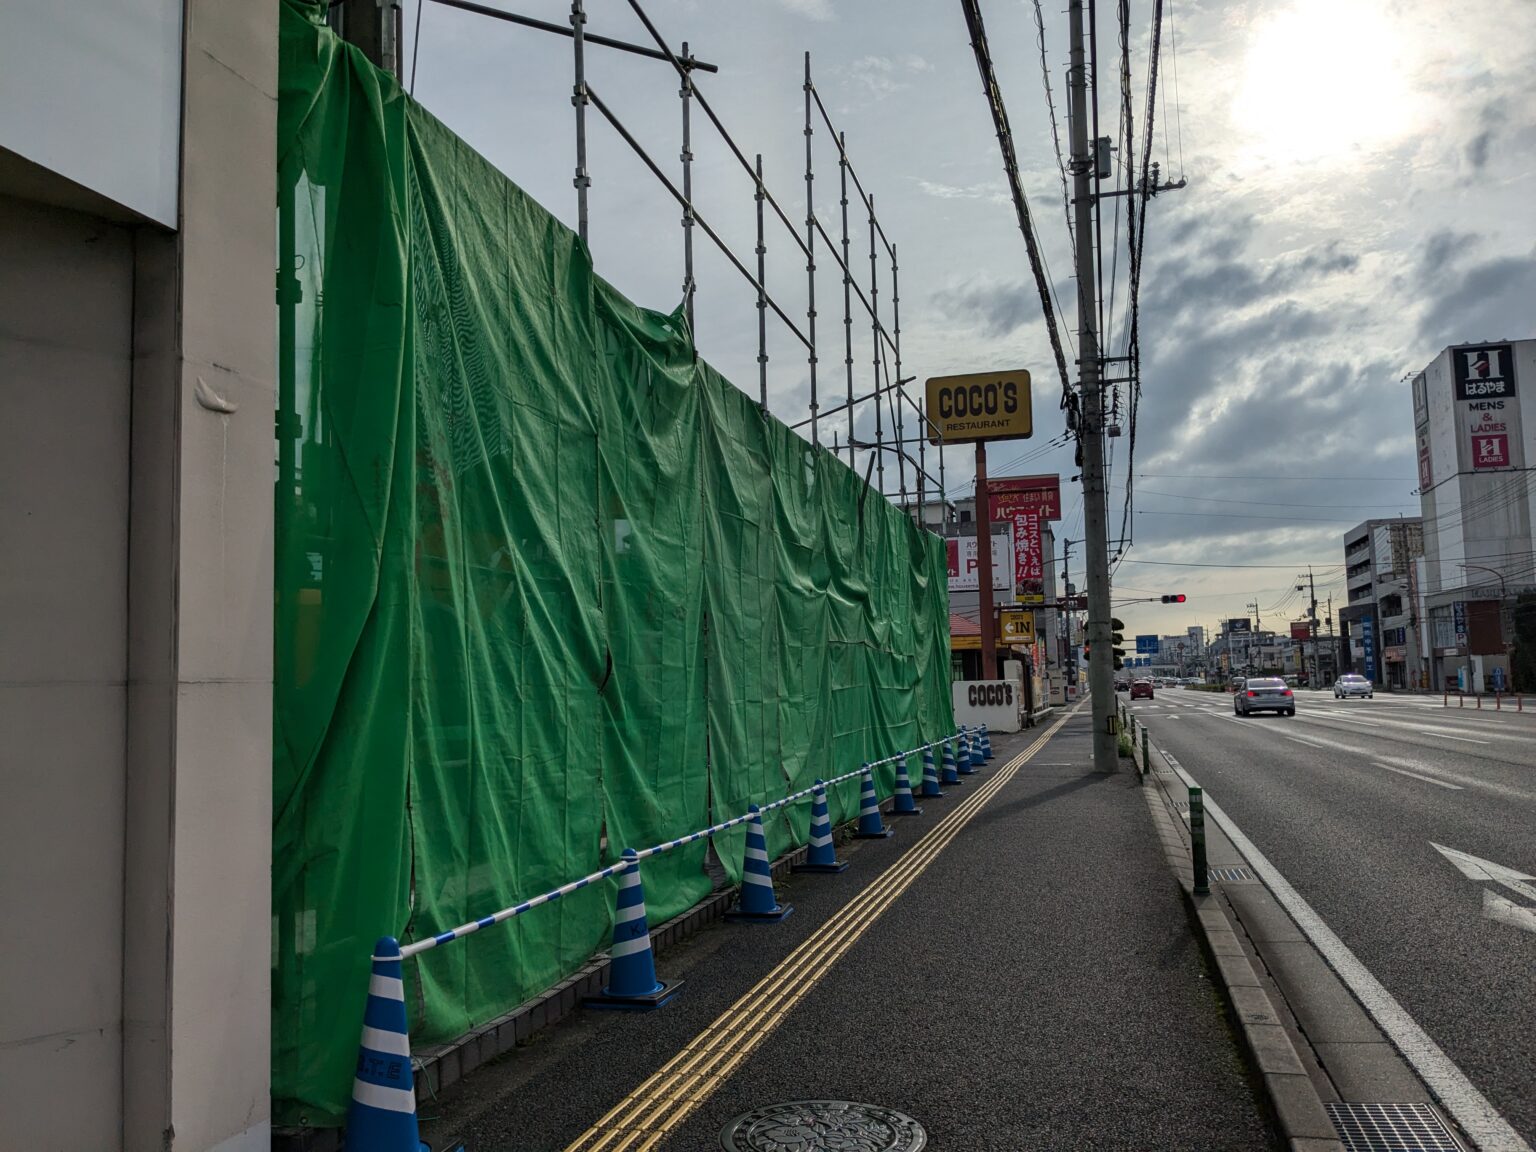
x: 1298, y: 1109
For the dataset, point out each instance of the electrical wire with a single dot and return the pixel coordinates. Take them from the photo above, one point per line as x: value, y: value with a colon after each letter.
x: 994, y: 97
x: 1050, y: 104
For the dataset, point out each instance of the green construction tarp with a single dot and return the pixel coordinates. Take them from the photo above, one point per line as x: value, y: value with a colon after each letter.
x: 547, y: 585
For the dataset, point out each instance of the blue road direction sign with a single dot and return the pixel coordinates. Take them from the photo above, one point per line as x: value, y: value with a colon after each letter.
x: 1147, y: 645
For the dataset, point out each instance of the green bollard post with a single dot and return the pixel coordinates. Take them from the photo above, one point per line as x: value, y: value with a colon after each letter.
x: 1197, y: 838
x: 1146, y: 759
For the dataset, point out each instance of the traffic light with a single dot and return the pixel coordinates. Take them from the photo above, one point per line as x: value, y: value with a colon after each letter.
x: 1176, y: 598
x: 1115, y: 637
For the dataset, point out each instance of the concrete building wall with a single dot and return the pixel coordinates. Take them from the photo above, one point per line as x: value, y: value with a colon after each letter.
x: 137, y: 387
x: 66, y: 314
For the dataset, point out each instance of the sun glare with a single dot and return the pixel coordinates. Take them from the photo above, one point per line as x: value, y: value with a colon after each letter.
x: 1322, y: 81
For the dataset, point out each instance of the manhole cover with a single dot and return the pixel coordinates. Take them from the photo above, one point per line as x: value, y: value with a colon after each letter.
x: 1390, y: 1128
x: 806, y: 1125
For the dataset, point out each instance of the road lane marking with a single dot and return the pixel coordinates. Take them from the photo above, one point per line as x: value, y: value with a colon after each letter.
x: 653, y: 1110
x: 1448, y: 736
x: 1460, y: 1097
x: 1304, y: 740
x: 1418, y: 776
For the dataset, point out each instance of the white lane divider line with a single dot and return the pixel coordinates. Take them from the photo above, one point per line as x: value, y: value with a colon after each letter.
x: 1448, y: 736
x: 1489, y: 1131
x: 1304, y: 740
x: 1417, y: 776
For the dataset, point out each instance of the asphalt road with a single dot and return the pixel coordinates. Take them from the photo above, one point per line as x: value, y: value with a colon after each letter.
x: 1348, y: 800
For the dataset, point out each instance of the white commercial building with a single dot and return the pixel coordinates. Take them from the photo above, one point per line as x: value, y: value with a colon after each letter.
x: 1474, y: 455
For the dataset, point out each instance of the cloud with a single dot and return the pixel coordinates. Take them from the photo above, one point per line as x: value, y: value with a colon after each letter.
x: 882, y: 76
x: 991, y: 191
x: 995, y: 308
x: 819, y: 10
x: 1488, y: 299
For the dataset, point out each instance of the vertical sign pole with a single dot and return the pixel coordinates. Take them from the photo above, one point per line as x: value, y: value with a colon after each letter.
x: 810, y: 252
x: 762, y: 305
x: 984, y: 566
x: 686, y: 92
x: 579, y: 99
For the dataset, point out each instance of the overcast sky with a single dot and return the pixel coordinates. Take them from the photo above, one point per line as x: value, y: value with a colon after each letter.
x: 1361, y: 192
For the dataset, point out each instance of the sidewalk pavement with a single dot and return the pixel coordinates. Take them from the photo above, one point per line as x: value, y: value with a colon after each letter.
x: 1036, y: 983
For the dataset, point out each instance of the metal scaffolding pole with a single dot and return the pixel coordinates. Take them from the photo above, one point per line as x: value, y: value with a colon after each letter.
x: 842, y: 170
x: 922, y: 438
x: 810, y: 252
x: 686, y: 93
x: 762, y: 297
x: 874, y: 333
x: 579, y: 99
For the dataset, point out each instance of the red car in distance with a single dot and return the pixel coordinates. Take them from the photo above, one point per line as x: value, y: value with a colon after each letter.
x: 1141, y: 689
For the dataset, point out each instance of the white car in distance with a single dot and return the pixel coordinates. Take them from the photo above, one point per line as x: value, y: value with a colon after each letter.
x: 1352, y: 685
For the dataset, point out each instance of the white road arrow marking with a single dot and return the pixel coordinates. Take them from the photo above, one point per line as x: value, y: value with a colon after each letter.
x: 1504, y: 911
x: 1476, y: 868
x: 1495, y: 907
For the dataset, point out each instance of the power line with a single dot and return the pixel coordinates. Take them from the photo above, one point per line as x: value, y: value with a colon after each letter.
x: 1050, y: 104
x: 994, y: 95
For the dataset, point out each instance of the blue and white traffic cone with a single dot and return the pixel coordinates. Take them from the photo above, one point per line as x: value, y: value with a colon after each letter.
x: 632, y: 982
x: 963, y: 763
x: 382, y: 1114
x: 821, y: 856
x: 931, y: 787
x: 870, y: 825
x: 904, y: 804
x: 757, y: 904
x: 950, y: 775
x: 986, y: 742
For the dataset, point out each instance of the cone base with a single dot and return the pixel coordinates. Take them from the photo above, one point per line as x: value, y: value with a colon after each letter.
x: 825, y: 869
x: 883, y: 834
x: 953, y: 783
x: 936, y: 794
x: 737, y: 916
x: 605, y: 1000
x: 915, y: 810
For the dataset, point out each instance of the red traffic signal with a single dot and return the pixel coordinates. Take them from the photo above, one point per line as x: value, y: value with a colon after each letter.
x: 1176, y: 598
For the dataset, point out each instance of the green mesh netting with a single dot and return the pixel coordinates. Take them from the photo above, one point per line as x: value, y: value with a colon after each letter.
x: 547, y: 585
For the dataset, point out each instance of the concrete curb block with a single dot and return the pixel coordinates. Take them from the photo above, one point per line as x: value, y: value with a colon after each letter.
x: 1297, y: 1107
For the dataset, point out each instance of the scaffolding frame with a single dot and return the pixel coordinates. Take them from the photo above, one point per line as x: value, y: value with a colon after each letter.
x: 888, y: 391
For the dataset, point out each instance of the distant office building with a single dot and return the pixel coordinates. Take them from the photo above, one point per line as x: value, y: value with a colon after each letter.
x: 1478, y: 505
x: 1381, y: 623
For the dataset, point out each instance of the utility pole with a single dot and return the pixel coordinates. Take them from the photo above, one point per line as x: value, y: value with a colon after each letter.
x: 1066, y: 594
x: 1101, y: 677
x: 1310, y: 587
x: 1257, y: 640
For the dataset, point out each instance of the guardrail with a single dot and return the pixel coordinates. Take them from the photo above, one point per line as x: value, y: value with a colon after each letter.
x: 1498, y: 700
x: 382, y: 1116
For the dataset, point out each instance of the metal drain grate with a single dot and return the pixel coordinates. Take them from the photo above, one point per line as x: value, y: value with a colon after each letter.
x: 808, y: 1125
x: 1391, y: 1128
x: 1231, y: 874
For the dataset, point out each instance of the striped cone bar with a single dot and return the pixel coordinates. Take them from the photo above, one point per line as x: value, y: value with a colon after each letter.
x: 963, y: 763
x: 905, y: 805
x: 757, y: 904
x: 632, y: 981
x: 382, y: 1114
x: 870, y: 825
x: 986, y: 742
x: 930, y: 775
x: 950, y: 775
x: 821, y: 856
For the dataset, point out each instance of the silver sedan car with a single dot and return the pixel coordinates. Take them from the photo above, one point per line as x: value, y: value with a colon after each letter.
x: 1264, y: 694
x: 1353, y: 685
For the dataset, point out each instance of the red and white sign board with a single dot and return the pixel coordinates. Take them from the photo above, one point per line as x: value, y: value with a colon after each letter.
x: 1042, y: 494
x: 965, y: 563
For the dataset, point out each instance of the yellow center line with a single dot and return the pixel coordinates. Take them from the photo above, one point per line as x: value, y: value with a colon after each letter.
x: 675, y: 1090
